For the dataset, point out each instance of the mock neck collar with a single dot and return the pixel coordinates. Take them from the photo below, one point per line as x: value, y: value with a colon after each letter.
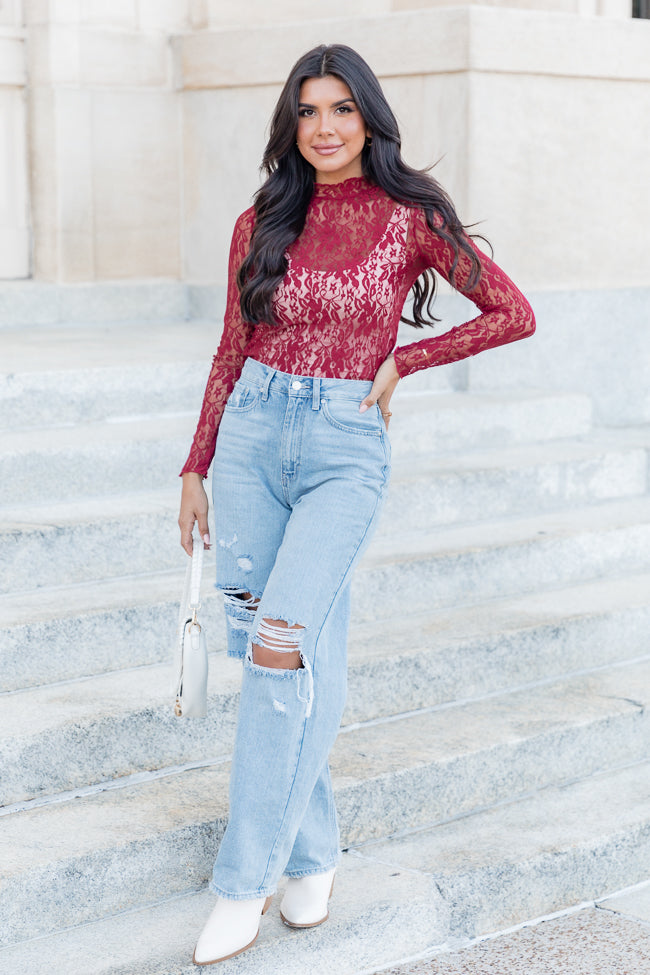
x: 347, y: 189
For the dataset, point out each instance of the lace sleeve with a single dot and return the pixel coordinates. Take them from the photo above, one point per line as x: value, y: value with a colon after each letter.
x: 228, y: 362
x: 506, y: 315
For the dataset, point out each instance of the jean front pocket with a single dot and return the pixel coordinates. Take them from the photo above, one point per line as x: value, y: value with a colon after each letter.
x: 243, y: 397
x: 343, y: 414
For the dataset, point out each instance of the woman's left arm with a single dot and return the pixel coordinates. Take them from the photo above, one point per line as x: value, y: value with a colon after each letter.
x: 506, y: 315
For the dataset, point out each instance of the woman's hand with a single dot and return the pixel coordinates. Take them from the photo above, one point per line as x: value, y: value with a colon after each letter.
x: 383, y: 388
x: 194, y: 508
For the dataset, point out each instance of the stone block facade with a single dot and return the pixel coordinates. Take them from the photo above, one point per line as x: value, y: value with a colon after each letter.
x: 540, y: 122
x: 131, y: 130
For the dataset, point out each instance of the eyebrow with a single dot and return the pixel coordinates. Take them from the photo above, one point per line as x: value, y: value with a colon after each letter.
x: 333, y: 105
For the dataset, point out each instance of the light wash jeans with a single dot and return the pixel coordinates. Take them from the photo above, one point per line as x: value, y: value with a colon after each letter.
x: 299, y: 477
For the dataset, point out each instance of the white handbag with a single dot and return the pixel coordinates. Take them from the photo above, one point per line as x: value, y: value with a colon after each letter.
x: 191, y: 655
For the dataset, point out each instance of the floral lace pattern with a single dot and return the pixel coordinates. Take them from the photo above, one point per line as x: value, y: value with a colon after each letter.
x: 339, y: 304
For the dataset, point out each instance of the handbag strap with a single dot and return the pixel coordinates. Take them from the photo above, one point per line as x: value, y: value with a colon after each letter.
x: 192, y: 587
x: 197, y: 568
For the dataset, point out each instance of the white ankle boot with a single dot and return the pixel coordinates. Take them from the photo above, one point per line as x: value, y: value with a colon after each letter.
x: 304, y: 904
x: 232, y: 927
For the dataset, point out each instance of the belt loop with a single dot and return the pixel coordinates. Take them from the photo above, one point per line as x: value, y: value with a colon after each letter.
x: 266, y: 384
x: 315, y: 394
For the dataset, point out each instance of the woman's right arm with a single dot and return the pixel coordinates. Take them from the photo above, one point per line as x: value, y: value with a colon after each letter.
x: 226, y: 369
x: 194, y: 508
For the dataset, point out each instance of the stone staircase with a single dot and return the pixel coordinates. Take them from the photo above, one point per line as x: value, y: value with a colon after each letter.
x: 493, y: 764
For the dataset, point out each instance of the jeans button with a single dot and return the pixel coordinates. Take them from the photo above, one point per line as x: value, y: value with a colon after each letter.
x: 296, y: 385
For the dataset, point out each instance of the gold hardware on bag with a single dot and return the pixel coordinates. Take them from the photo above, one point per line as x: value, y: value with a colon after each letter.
x: 177, y: 708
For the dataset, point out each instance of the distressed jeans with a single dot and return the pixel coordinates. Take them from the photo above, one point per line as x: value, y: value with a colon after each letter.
x: 298, y: 480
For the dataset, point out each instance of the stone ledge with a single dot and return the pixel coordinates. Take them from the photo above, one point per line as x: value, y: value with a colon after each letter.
x: 109, y: 15
x: 49, y: 303
x: 61, y: 54
x: 475, y: 39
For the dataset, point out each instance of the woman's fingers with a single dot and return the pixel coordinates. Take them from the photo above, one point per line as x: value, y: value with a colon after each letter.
x: 194, y: 508
x: 186, y: 520
x: 186, y: 536
x: 383, y: 387
x: 204, y: 531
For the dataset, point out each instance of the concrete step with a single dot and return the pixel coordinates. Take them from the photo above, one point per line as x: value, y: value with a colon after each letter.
x: 98, y: 538
x: 118, y: 849
x: 116, y: 623
x: 377, y: 914
x: 448, y: 653
x: 34, y: 307
x: 74, y: 374
x: 400, y: 898
x: 58, y: 374
x: 554, y: 849
x: 65, y: 398
x: 428, y: 490
x: 50, y: 544
x: 71, y: 734
x: 94, y: 459
x: 453, y: 567
x: 144, y: 453
x: 467, y: 564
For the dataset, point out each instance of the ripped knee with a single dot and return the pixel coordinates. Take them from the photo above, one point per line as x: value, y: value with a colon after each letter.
x: 277, y: 644
x: 240, y: 606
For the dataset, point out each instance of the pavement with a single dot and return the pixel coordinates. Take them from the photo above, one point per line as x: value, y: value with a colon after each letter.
x: 611, y: 937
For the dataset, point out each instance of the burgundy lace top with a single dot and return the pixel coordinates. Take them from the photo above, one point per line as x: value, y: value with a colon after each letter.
x: 338, y: 307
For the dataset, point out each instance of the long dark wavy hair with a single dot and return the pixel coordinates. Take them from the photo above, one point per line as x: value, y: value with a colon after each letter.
x: 281, y: 202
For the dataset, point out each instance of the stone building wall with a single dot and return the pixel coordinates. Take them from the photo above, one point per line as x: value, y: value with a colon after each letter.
x: 138, y: 126
x: 541, y: 123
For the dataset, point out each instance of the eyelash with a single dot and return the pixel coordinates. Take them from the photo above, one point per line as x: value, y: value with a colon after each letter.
x: 302, y: 113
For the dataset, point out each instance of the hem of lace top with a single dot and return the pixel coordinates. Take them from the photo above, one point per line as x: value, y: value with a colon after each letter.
x: 405, y: 368
x: 397, y: 359
x: 191, y: 468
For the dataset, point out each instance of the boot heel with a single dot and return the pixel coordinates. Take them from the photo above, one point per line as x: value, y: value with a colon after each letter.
x: 305, y: 903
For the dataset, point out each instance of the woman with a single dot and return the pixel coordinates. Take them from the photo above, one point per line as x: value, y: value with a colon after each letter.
x: 300, y: 392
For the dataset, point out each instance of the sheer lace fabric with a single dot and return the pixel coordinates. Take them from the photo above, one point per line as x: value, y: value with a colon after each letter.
x: 339, y: 305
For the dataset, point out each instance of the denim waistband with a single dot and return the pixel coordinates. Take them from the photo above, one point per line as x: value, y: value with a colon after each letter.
x: 309, y: 387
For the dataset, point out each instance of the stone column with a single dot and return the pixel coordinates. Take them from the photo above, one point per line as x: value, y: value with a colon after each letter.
x: 14, y: 229
x: 585, y: 8
x: 105, y: 139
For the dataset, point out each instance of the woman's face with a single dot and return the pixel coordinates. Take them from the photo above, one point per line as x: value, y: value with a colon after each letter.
x: 331, y: 131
